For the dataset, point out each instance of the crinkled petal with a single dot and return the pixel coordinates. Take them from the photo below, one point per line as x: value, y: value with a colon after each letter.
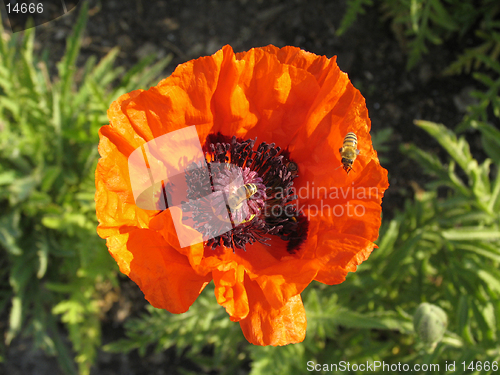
x: 164, y: 275
x: 257, y: 96
x: 230, y: 291
x: 339, y: 254
x: 124, y: 133
x: 115, y: 206
x: 336, y: 109
x: 316, y: 65
x: 265, y: 325
x: 163, y: 223
x: 284, y: 280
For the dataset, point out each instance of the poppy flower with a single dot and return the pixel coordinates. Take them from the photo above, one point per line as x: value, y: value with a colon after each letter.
x: 265, y: 210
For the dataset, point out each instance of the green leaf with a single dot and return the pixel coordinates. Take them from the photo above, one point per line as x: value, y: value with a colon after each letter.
x: 354, y: 8
x: 15, y: 319
x: 472, y: 234
x: 53, y: 222
x: 388, y: 321
x: 50, y: 175
x: 442, y: 17
x: 494, y: 205
x: 462, y: 216
x: 457, y: 148
x: 59, y: 287
x: 149, y: 75
x: 22, y: 188
x: 43, y: 258
x: 493, y: 282
x: 482, y: 249
x: 490, y: 138
x: 13, y: 106
x: 430, y: 162
x: 10, y: 232
x: 64, y: 356
x: 105, y: 67
x: 482, y: 321
x: 388, y: 238
x: 463, y: 317
x: 7, y: 178
x: 67, y: 65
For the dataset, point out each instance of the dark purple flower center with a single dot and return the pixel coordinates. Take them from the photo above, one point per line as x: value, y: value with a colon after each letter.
x: 253, y: 186
x: 241, y: 190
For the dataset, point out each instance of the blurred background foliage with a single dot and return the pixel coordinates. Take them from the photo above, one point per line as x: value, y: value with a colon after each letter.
x: 442, y: 247
x: 418, y: 23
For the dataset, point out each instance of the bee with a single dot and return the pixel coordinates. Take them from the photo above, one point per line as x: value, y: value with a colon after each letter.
x: 292, y: 167
x: 235, y: 201
x: 348, y: 151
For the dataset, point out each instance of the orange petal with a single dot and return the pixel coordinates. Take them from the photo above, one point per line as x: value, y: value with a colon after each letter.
x: 339, y: 254
x: 264, y: 98
x: 163, y: 223
x: 267, y: 326
x: 230, y: 291
x: 124, y: 132
x: 318, y: 66
x: 165, y: 277
x: 115, y: 206
x: 286, y: 279
x: 338, y: 109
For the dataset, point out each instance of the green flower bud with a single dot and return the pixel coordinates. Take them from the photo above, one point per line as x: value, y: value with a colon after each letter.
x: 430, y: 323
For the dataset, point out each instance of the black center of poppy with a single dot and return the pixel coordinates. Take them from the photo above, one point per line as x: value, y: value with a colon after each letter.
x: 254, y: 186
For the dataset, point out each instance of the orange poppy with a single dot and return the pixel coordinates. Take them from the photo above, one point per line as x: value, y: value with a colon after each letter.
x: 274, y: 120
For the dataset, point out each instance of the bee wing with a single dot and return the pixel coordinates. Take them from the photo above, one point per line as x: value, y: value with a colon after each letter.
x: 358, y: 152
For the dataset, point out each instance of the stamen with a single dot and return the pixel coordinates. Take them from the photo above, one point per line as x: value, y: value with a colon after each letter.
x: 254, y: 186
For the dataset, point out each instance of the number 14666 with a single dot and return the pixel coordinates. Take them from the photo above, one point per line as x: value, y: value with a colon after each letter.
x: 24, y: 8
x: 479, y: 366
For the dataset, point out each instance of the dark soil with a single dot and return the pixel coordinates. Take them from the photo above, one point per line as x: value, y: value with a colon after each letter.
x: 368, y: 52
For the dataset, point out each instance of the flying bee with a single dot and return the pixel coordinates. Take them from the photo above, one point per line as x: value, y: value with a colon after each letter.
x: 348, y: 151
x: 235, y: 201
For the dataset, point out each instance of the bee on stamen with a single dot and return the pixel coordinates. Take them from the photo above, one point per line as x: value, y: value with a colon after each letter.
x: 349, y: 151
x: 292, y: 167
x: 235, y: 201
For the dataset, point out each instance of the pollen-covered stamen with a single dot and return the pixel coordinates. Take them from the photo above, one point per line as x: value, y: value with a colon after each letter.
x: 243, y: 192
x: 254, y: 186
